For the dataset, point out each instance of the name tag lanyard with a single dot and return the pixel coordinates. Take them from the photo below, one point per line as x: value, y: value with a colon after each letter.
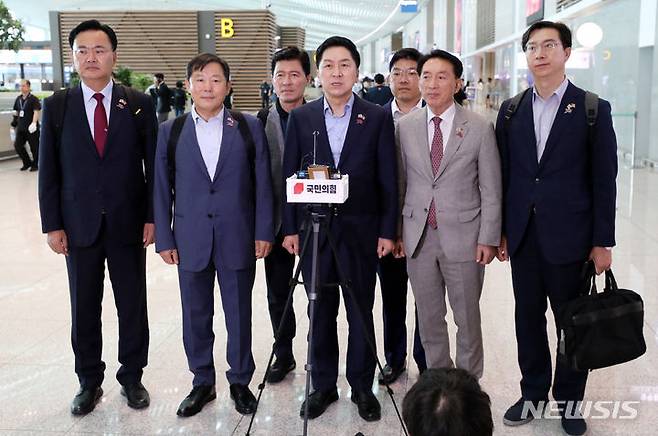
x: 22, y: 102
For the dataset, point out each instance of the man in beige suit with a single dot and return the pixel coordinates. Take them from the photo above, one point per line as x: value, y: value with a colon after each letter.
x: 451, y: 211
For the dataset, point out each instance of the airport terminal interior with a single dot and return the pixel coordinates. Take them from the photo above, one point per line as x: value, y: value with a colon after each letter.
x: 615, y: 54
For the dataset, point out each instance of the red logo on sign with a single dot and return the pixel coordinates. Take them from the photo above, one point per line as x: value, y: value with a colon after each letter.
x: 299, y: 188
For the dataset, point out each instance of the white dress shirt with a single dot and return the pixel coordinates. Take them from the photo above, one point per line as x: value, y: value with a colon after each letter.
x: 209, y: 136
x: 90, y: 102
x: 397, y: 113
x: 447, y: 117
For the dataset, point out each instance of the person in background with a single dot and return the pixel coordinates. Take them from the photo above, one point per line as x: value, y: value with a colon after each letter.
x: 179, y: 98
x: 26, y: 122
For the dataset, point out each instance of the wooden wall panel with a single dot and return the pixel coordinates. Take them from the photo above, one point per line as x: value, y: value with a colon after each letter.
x: 293, y: 36
x: 149, y: 41
x: 248, y: 53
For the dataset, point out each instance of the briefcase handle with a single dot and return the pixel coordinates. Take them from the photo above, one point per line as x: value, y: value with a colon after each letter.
x: 589, y: 280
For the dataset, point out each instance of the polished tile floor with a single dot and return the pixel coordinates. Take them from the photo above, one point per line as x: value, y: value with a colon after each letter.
x: 37, y: 380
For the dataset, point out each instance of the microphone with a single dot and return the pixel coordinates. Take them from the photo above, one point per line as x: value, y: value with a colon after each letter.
x: 315, y: 143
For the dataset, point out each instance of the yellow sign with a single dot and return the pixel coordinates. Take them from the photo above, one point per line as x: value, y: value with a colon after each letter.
x: 227, y: 30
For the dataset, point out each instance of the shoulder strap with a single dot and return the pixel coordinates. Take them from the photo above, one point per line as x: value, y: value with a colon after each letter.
x: 247, y: 138
x: 57, y: 107
x: 591, y: 107
x: 262, y: 116
x: 174, y: 135
x: 513, y: 106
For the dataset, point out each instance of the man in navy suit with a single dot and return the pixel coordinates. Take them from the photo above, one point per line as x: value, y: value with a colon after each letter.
x: 559, y: 211
x: 222, y: 222
x: 392, y: 268
x: 355, y: 137
x: 95, y: 197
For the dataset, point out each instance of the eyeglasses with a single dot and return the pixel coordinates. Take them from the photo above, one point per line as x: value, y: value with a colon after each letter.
x: 410, y: 73
x: 83, y: 52
x: 546, y: 46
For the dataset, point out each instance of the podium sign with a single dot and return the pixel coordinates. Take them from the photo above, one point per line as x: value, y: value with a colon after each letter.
x: 333, y: 191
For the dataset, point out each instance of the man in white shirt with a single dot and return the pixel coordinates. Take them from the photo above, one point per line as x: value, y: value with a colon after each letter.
x: 216, y: 174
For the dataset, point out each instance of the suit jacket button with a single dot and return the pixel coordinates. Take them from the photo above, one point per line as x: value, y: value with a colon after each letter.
x: 212, y: 191
x: 209, y: 215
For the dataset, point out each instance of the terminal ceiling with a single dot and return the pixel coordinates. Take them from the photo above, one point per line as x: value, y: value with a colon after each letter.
x: 360, y: 20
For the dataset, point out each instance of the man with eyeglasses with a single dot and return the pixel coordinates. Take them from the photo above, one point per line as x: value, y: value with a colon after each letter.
x: 559, y: 211
x: 96, y: 200
x: 392, y: 268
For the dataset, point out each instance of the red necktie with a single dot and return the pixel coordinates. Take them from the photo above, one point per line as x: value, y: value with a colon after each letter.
x: 436, y: 154
x: 100, y: 124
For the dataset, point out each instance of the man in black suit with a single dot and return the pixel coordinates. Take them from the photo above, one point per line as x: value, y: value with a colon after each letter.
x: 380, y: 93
x: 96, y: 202
x: 357, y: 138
x: 559, y: 211
x: 26, y: 122
x: 392, y: 269
x: 162, y: 95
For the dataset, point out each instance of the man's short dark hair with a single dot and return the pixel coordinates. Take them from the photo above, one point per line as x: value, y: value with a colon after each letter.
x: 562, y: 30
x: 404, y: 53
x: 27, y: 82
x: 93, y: 25
x: 291, y: 54
x: 457, y: 65
x: 447, y: 402
x: 179, y: 84
x: 159, y: 76
x: 199, y: 62
x: 379, y: 78
x: 337, y: 41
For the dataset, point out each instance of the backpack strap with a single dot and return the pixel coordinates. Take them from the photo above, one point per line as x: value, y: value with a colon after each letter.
x: 57, y: 106
x: 512, y: 107
x: 591, y: 108
x: 172, y: 143
x: 248, y: 140
x: 262, y: 116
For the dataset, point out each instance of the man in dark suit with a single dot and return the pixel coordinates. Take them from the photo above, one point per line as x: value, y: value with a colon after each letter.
x: 95, y: 197
x: 355, y: 137
x: 380, y: 93
x: 559, y: 211
x: 392, y: 268
x: 162, y: 95
x: 222, y: 223
x: 291, y: 72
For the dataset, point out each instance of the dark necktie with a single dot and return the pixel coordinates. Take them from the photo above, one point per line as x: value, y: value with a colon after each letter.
x: 436, y: 154
x: 100, y: 124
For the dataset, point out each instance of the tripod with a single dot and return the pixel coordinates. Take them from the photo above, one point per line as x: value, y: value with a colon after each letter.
x: 314, y: 221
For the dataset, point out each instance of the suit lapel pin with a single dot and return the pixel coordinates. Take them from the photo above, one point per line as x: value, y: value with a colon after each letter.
x: 570, y: 107
x: 360, y: 119
x: 229, y: 121
x: 121, y: 103
x: 460, y: 132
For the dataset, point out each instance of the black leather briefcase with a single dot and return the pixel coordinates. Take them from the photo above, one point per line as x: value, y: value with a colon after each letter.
x: 601, y: 329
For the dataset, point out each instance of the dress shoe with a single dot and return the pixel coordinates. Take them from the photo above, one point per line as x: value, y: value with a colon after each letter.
x: 34, y: 168
x: 194, y: 402
x: 85, y: 400
x: 137, y: 395
x: 318, y: 401
x: 245, y: 402
x: 574, y: 424
x: 25, y: 167
x: 366, y: 402
x: 519, y: 413
x: 279, y: 369
x: 389, y: 374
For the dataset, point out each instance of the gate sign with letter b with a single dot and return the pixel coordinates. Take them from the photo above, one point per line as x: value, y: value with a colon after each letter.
x: 227, y: 30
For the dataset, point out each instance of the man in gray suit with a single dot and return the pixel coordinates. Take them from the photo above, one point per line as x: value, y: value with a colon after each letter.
x: 291, y: 72
x: 450, y: 188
